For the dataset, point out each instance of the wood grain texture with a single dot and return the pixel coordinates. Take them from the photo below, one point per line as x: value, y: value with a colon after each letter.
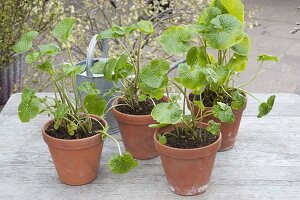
x: 264, y: 163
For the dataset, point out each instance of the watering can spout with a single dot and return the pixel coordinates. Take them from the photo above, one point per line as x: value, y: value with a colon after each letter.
x: 175, y: 65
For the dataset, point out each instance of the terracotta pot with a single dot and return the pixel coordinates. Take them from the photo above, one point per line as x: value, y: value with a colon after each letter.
x: 187, y: 170
x: 76, y: 161
x: 136, y: 133
x: 229, y: 130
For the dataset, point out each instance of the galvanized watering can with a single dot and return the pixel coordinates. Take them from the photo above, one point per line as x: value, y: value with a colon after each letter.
x: 99, y: 80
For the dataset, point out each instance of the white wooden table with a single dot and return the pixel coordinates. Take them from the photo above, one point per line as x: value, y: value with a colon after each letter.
x: 264, y: 164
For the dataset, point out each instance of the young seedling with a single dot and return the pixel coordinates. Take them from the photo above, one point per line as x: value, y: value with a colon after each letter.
x: 138, y: 83
x: 70, y: 113
x: 210, y: 76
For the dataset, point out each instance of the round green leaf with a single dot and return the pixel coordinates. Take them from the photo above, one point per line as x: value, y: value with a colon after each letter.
x: 154, y: 74
x: 162, y: 139
x: 266, y: 107
x: 121, y: 164
x: 63, y: 29
x: 176, y: 40
x: 167, y: 113
x: 145, y: 26
x: 235, y: 8
x: 25, y: 42
x: 98, y: 67
x: 50, y: 49
x: 243, y: 47
x: 265, y: 57
x: 61, y: 111
x: 237, y: 63
x: 214, y: 127
x: 94, y: 104
x: 208, y: 14
x: 88, y: 88
x: 72, y: 70
x: 32, y: 57
x: 238, y: 100
x: 191, y: 77
x: 30, y: 105
x: 225, y: 31
x: 223, y: 112
x: 192, y: 56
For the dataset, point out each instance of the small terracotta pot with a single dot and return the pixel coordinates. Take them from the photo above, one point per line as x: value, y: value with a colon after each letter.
x: 187, y: 170
x: 76, y: 161
x: 229, y: 130
x: 136, y: 133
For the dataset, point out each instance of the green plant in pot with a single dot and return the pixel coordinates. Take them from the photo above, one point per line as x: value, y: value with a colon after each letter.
x: 217, y: 51
x: 141, y: 87
x: 75, y: 134
x: 186, y: 144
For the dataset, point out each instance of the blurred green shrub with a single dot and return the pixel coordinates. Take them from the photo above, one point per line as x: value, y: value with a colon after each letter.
x: 17, y: 16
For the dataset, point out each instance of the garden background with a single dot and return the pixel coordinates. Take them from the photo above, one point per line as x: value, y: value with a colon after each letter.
x: 269, y: 25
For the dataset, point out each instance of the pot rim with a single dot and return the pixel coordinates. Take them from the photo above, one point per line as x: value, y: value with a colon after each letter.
x: 47, y: 124
x: 186, y: 151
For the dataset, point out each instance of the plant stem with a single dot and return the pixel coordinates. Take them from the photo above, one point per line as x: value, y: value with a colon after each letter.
x: 252, y: 96
x: 126, y: 50
x: 73, y: 77
x: 207, y: 56
x: 184, y: 102
x: 254, y: 77
x: 184, y: 94
x: 138, y: 61
x: 103, y: 132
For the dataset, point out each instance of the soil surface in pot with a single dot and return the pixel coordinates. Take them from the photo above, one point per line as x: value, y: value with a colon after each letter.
x: 208, y: 97
x: 144, y: 108
x: 62, y: 133
x: 204, y: 138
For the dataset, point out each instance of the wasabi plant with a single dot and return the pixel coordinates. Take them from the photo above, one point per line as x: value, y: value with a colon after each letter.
x: 216, y: 49
x: 138, y: 83
x: 71, y: 119
x: 170, y: 113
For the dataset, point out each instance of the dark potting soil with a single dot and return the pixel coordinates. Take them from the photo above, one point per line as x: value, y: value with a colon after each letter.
x: 62, y: 133
x: 144, y: 108
x: 186, y: 142
x: 208, y: 98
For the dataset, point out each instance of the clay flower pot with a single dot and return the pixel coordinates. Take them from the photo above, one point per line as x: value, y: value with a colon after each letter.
x: 187, y: 170
x: 76, y: 161
x: 229, y: 130
x: 136, y: 133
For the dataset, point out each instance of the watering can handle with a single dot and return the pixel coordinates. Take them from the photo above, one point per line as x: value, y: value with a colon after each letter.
x: 175, y: 65
x: 90, y: 53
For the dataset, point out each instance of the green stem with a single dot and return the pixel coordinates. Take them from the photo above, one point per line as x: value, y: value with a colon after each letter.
x: 184, y: 94
x: 226, y: 91
x: 114, y: 139
x: 138, y: 60
x: 254, y: 77
x: 167, y: 91
x: 126, y: 50
x: 114, y: 107
x: 207, y: 56
x: 252, y: 96
x: 73, y: 77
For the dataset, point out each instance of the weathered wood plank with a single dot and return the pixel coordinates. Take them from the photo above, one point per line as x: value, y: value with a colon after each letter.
x: 264, y: 164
